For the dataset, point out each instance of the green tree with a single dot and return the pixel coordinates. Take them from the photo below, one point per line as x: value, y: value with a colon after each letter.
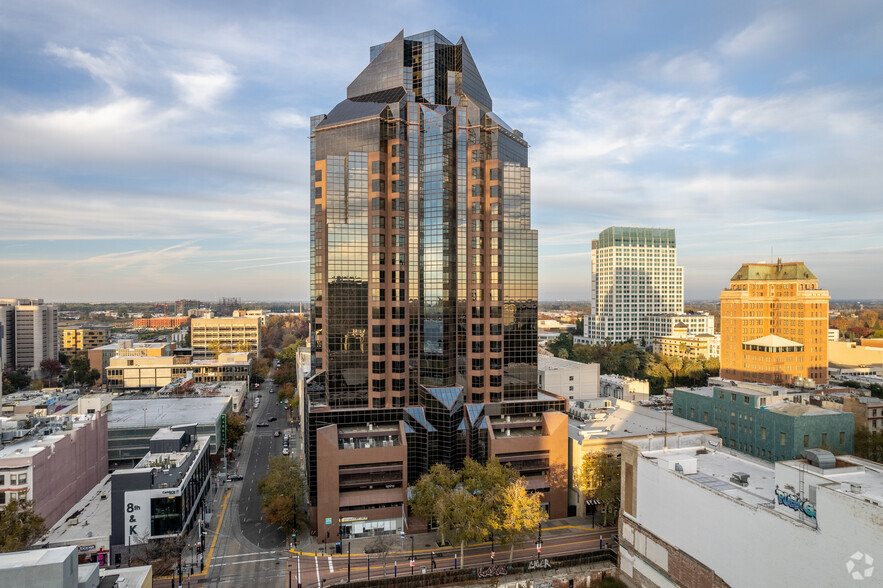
x: 712, y: 366
x: 80, y: 371
x: 868, y: 445
x: 463, y: 518
x: 289, y: 354
x: 463, y: 504
x: 19, y: 526
x: 14, y: 380
x: 695, y: 371
x: 285, y: 373
x: 427, y: 495
x: 519, y: 514
x: 675, y: 365
x: 283, y: 494
x: 598, y: 477
x: 287, y: 391
x: 235, y: 428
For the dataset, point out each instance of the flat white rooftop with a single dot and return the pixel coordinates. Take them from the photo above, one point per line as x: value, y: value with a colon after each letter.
x: 92, y: 514
x: 716, y: 465
x: 626, y: 419
x: 35, y: 444
x: 164, y: 412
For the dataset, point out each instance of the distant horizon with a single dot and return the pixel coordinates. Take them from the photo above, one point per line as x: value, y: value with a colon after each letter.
x: 305, y: 301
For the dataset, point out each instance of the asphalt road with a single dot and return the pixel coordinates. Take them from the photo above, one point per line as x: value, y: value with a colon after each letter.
x: 263, y: 445
x: 246, y: 550
x: 312, y: 570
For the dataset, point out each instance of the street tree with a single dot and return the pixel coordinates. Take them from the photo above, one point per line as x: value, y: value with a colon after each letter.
x: 598, y: 477
x: 427, y: 496
x: 286, y: 391
x: 19, y: 526
x: 80, y: 371
x: 463, y: 518
x: 283, y: 493
x: 520, y: 513
x: 235, y: 428
x: 51, y: 367
x: 289, y: 353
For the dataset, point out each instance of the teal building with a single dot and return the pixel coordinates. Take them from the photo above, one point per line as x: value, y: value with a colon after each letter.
x: 766, y: 424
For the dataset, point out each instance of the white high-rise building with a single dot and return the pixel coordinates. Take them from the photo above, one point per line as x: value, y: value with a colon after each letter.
x: 634, y: 275
x: 30, y: 332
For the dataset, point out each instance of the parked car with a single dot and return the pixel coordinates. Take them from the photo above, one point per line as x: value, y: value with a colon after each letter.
x: 234, y: 477
x: 264, y: 424
x: 286, y: 438
x: 285, y: 451
x: 271, y: 419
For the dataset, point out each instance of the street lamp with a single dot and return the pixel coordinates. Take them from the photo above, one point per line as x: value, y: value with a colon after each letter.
x: 412, y: 555
x: 492, y: 548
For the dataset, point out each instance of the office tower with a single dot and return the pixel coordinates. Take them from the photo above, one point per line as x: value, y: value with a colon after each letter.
x: 774, y: 325
x: 634, y: 276
x: 30, y: 330
x: 424, y: 277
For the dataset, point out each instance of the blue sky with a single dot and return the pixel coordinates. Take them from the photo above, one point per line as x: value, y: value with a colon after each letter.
x: 159, y: 150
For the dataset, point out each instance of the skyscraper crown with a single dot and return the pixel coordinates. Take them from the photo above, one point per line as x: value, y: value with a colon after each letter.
x: 427, y: 66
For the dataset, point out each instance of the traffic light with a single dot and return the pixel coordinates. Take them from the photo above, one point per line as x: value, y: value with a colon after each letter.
x: 198, y: 548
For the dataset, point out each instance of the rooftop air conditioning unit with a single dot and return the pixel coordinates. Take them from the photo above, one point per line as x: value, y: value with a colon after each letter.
x: 855, y: 488
x: 164, y: 485
x: 740, y: 478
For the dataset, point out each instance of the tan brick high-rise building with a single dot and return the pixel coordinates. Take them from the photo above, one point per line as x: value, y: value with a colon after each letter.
x: 774, y: 322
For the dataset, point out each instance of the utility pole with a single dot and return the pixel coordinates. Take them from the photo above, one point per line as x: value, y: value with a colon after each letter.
x: 349, y: 546
x: 413, y: 563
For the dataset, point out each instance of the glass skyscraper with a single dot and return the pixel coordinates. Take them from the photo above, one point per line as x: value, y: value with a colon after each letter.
x: 423, y: 263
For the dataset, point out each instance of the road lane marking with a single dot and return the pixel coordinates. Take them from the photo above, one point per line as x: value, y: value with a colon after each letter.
x: 318, y: 578
x: 330, y: 564
x: 298, y: 569
x: 244, y: 554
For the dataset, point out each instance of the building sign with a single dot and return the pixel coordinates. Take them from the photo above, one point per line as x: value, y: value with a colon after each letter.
x: 329, y: 521
x: 349, y: 520
x: 796, y: 502
x: 86, y: 547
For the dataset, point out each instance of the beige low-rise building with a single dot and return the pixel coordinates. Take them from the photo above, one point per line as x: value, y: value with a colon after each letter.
x: 211, y: 335
x: 852, y: 354
x: 151, y: 373
x: 624, y: 388
x: 682, y: 344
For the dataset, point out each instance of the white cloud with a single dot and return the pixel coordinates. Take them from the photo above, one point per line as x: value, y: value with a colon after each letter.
x: 289, y: 119
x: 686, y: 68
x: 766, y: 32
x: 112, y: 68
x: 208, y: 80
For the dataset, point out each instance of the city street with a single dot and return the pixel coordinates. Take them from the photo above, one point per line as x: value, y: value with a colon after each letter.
x: 246, y: 549
x: 314, y: 569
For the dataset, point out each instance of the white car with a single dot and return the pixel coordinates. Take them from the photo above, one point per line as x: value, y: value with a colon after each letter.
x: 285, y: 451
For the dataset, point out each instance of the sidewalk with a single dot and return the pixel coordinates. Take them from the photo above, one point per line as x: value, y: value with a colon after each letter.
x: 427, y: 542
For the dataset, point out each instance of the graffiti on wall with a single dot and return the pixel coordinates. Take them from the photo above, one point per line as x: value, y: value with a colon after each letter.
x: 796, y: 502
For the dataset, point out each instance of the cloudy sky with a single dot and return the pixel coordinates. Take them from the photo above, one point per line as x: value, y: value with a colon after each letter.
x: 159, y: 150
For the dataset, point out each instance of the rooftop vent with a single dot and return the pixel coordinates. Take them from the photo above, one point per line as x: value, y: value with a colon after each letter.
x: 855, y: 488
x: 740, y: 478
x: 821, y: 458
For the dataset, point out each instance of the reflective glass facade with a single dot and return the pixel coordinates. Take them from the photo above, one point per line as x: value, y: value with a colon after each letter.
x: 423, y: 261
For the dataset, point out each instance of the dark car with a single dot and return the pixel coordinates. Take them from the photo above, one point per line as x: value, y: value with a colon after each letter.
x: 264, y: 424
x: 234, y: 477
x: 271, y: 419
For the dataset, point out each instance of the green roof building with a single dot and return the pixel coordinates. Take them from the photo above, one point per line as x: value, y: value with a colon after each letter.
x: 768, y: 422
